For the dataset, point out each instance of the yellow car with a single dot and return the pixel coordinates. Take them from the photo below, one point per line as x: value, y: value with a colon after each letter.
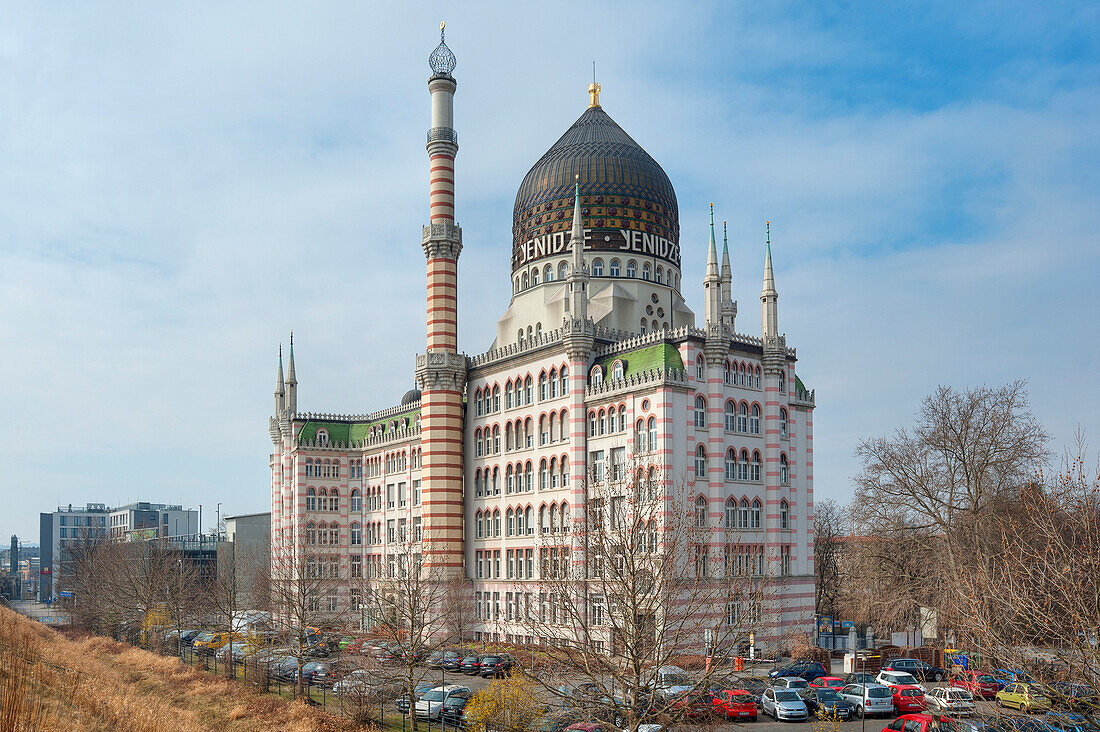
x: 214, y: 642
x: 1025, y: 697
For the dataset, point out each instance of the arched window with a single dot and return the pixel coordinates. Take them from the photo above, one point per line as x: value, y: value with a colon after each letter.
x: 755, y: 466
x: 784, y: 470
x: 622, y: 418
x: 731, y: 416
x: 356, y: 533
x: 613, y: 269
x: 564, y: 377
x: 632, y: 269
x: 639, y: 437
x: 743, y: 514
x: 593, y: 424
x: 544, y: 387
x: 731, y: 464
x: 563, y: 271
x: 700, y: 462
x: 700, y: 368
x: 511, y: 523
x: 645, y: 272
x: 529, y: 478
x: 496, y: 439
x: 701, y: 512
x: 660, y: 275
x: 544, y: 476
x: 311, y: 533
x: 597, y: 268
x: 743, y: 466
x: 509, y: 480
x: 356, y: 501
x: 597, y: 376
x: 652, y: 433
x: 496, y: 482
x: 731, y: 513
x: 544, y: 526
x: 479, y: 523
x: 784, y: 515
x: 563, y: 512
x: 603, y: 422
x: 617, y: 369
x: 334, y: 500
x: 554, y: 434
x: 477, y: 442
x: 309, y: 468
x: 553, y: 518
x: 755, y: 515
x: 643, y: 328
x: 700, y: 412
x: 496, y: 522
x: 548, y: 273
x: 528, y: 390
x: 528, y: 433
x: 783, y: 423
x: 311, y: 500
x: 553, y: 383
x: 529, y: 520
x: 743, y: 418
x: 526, y: 281
x: 519, y: 522
x: 754, y: 420
x: 564, y: 472
x: 727, y: 374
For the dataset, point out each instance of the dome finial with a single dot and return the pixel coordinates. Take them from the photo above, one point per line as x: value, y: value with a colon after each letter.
x: 442, y: 59
x: 593, y: 89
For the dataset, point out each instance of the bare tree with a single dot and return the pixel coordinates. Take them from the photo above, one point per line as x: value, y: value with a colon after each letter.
x: 830, y: 527
x: 410, y: 608
x: 236, y: 592
x: 305, y: 586
x: 643, y: 579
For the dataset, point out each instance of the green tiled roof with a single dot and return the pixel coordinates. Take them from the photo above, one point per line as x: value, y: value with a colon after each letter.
x: 660, y: 356
x: 798, y: 384
x: 353, y: 431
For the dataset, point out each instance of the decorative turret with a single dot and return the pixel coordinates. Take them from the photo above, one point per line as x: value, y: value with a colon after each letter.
x: 712, y: 282
x: 769, y: 298
x: 291, y: 383
x: 729, y: 307
x: 280, y: 392
x: 578, y: 273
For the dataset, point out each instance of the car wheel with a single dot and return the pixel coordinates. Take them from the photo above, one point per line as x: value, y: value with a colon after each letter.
x: 859, y: 712
x: 999, y: 703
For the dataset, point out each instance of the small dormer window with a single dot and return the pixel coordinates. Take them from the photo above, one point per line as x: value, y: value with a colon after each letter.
x: 322, y: 436
x: 597, y: 376
x: 617, y: 369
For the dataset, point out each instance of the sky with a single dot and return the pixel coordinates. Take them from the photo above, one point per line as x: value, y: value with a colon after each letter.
x: 183, y: 184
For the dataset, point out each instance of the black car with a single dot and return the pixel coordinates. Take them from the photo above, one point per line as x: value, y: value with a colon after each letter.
x: 452, y: 660
x: 923, y: 671
x: 453, y: 707
x: 471, y: 665
x: 317, y: 673
x: 860, y: 678
x: 808, y: 670
x: 496, y: 666
x: 826, y: 702
x: 1075, y: 697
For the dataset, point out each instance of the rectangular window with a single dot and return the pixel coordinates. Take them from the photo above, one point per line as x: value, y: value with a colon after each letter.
x: 496, y: 606
x: 416, y: 492
x: 596, y: 460
x: 496, y: 563
x: 480, y: 568
x: 417, y: 533
x: 401, y: 534
x: 389, y: 495
x: 511, y: 564
x: 356, y: 566
x: 391, y: 531
x: 401, y: 495
x: 618, y: 463
x: 530, y: 563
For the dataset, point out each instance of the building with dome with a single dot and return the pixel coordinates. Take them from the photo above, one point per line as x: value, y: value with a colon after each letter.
x: 597, y: 358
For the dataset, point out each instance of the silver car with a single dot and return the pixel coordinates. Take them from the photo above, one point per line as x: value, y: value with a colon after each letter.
x: 430, y: 706
x: 790, y: 682
x: 950, y: 701
x: 869, y: 698
x: 784, y: 704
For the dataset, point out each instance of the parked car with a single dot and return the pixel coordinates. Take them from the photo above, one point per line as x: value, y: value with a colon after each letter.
x: 1006, y: 676
x: 918, y: 668
x: 553, y: 722
x: 357, y: 645
x: 869, y: 698
x: 496, y: 666
x: 691, y: 706
x: 1023, y: 724
x: 823, y: 701
x: 1075, y: 697
x: 1025, y: 697
x: 978, y: 683
x: 808, y: 670
x: 908, y: 699
x: 363, y: 685
x: 403, y: 703
x: 859, y: 678
x: 784, y: 705
x: 917, y: 723
x: 828, y: 682
x: 589, y: 727
x: 1070, y: 722
x: 671, y: 681
x: 453, y: 709
x: 452, y: 660
x: 897, y: 678
x: 285, y: 669
x: 735, y: 704
x: 790, y: 682
x: 951, y: 701
x: 471, y: 665
x: 317, y: 673
x: 430, y: 705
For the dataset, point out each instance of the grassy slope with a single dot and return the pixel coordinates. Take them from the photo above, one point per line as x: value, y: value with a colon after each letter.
x: 94, y: 683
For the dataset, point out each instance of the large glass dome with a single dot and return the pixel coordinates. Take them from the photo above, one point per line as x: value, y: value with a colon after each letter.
x: 628, y: 201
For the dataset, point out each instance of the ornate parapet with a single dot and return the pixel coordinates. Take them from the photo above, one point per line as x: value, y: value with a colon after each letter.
x: 803, y: 398
x: 534, y: 343
x: 442, y: 239
x: 640, y: 380
x: 441, y: 370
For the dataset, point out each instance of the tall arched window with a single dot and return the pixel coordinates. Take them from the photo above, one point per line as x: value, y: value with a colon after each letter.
x: 548, y: 273
x: 496, y: 522
x: 544, y: 526
x: 700, y: 462
x: 496, y: 439
x: 645, y: 272
x: 529, y: 478
x: 356, y: 533
x: 617, y: 369
x: 743, y: 466
x: 564, y: 472
x: 479, y: 523
x: 528, y: 390
x: 613, y: 268
x: 544, y: 476
x: 731, y: 416
x: 356, y: 501
x: 564, y: 377
x: 603, y: 422
x: 754, y: 420
x: 509, y: 484
x: 639, y: 437
x: 701, y: 512
x: 743, y: 514
x: 544, y: 387
x: 700, y: 412
x: 309, y: 468
x: 597, y: 268
x: 726, y: 374
x: 755, y: 465
x: 731, y: 513
x: 563, y: 271
x: 783, y: 423
x: 784, y: 515
x: 743, y: 418
x: 700, y: 368
x: 529, y: 519
x: 652, y: 433
x: 784, y: 470
x: 755, y: 515
x: 496, y: 398
x: 731, y: 464
x: 311, y: 500
x: 511, y: 523
x: 622, y: 418
x: 631, y: 268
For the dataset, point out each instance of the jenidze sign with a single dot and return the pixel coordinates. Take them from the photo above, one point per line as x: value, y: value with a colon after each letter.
x: 625, y: 241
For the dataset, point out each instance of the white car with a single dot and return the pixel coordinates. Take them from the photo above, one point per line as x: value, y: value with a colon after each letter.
x: 784, y: 704
x: 951, y: 701
x: 430, y: 706
x: 789, y: 682
x: 869, y: 698
x: 898, y: 678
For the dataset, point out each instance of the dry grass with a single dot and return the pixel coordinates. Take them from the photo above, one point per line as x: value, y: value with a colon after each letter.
x: 49, y: 681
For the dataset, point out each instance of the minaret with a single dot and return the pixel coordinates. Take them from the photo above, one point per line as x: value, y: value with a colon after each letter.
x: 578, y: 274
x: 441, y: 370
x: 729, y: 307
x: 712, y: 283
x: 769, y: 298
x: 280, y: 392
x: 291, y: 383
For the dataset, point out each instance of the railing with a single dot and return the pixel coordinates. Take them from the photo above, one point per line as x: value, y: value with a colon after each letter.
x: 442, y: 134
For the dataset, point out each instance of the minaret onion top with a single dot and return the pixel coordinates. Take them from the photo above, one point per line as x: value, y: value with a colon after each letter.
x: 442, y: 59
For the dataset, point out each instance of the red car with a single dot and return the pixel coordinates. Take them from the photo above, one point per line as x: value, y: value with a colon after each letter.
x: 692, y: 706
x: 735, y: 704
x: 978, y: 683
x: 908, y: 699
x: 914, y: 723
x: 588, y: 727
x: 828, y: 682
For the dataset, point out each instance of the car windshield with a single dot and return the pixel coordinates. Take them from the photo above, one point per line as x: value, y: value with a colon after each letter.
x: 959, y: 695
x: 903, y: 679
x: 433, y: 695
x: 470, y: 659
x: 828, y: 695
x: 455, y: 701
x: 676, y: 680
x: 878, y: 693
x: 786, y: 696
x: 490, y: 659
x: 797, y: 684
x: 986, y: 679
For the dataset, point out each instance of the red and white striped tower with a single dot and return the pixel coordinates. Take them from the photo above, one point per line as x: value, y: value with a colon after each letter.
x: 441, y: 370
